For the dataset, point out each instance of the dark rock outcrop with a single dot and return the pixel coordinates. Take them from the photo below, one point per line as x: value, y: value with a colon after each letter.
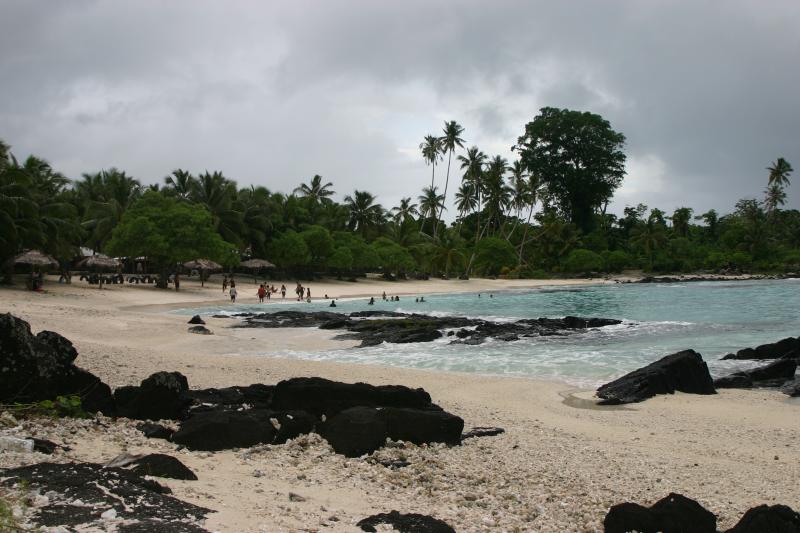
x: 222, y: 430
x: 683, y: 371
x: 154, y: 431
x: 41, y: 367
x: 406, y: 523
x: 355, y: 431
x: 134, y: 498
x: 672, y: 514
x: 201, y: 330
x: 324, y: 397
x: 160, y: 465
x: 197, y: 320
x: 771, y: 375
x: 768, y: 519
x: 774, y: 350
x: 254, y: 396
x: 376, y: 327
x: 792, y: 388
x: 422, y: 427
x: 161, y: 396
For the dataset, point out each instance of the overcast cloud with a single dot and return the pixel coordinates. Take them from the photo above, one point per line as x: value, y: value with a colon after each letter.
x: 272, y: 93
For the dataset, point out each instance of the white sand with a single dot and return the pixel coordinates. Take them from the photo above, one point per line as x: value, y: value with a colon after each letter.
x: 558, y: 468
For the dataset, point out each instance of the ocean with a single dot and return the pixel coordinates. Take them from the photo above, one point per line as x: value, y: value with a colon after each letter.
x: 713, y: 318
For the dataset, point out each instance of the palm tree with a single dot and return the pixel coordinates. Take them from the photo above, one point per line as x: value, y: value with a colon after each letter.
x: 532, y: 195
x: 217, y: 193
x: 255, y: 204
x: 680, y: 221
x: 114, y: 192
x: 364, y: 212
x: 19, y: 220
x: 466, y: 200
x: 473, y: 164
x: 450, y: 141
x: 316, y: 191
x: 431, y: 149
x: 774, y: 196
x: 405, y: 211
x: 430, y: 202
x: 496, y: 192
x: 448, y: 252
x: 779, y: 172
x: 180, y: 183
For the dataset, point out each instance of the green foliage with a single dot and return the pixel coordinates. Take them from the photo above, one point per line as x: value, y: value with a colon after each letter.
x: 493, y: 254
x: 616, y: 260
x: 393, y: 257
x: 319, y: 243
x: 581, y: 260
x: 290, y: 251
x: 62, y: 406
x: 167, y: 232
x: 341, y: 260
x: 579, y: 158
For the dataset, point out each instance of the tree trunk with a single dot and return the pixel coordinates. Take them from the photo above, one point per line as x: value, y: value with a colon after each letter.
x: 162, y: 280
x: 446, y: 183
x: 525, y: 236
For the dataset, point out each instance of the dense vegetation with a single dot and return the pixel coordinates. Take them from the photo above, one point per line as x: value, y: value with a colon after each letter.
x: 540, y: 215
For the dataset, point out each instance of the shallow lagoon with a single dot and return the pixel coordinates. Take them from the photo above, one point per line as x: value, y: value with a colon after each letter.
x: 713, y: 318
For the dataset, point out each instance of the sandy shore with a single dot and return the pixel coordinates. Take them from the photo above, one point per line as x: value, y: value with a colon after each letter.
x: 558, y: 467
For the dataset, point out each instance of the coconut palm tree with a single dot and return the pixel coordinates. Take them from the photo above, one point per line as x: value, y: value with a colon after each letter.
x: 19, y: 220
x: 450, y: 141
x: 114, y: 192
x: 448, y: 252
x: 466, y: 200
x: 430, y: 202
x: 405, y: 211
x: 779, y: 172
x: 532, y: 195
x: 365, y: 214
x: 316, y: 191
x: 496, y: 192
x: 180, y: 183
x: 431, y: 149
x: 218, y: 194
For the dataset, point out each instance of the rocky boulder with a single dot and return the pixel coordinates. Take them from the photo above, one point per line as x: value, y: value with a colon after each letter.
x: 683, y: 371
x: 161, y: 396
x: 160, y: 465
x: 773, y: 374
x: 197, y: 320
x: 223, y: 430
x: 406, y: 523
x: 41, y: 367
x: 422, y: 427
x: 792, y: 388
x: 768, y: 519
x: 773, y: 350
x: 672, y: 514
x: 355, y: 431
x: 324, y: 397
x: 201, y: 330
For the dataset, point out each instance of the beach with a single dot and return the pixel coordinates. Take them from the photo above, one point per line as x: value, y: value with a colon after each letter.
x: 560, y: 465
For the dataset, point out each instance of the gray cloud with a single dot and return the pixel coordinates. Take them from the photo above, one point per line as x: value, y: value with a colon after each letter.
x: 272, y: 93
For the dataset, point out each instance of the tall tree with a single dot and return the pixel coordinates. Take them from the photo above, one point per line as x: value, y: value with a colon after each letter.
x: 218, y: 194
x: 680, y: 221
x: 430, y: 203
x: 180, y: 184
x: 497, y: 192
x: 449, y: 141
x: 405, y: 211
x: 365, y: 214
x: 578, y: 157
x: 316, y: 191
x: 110, y: 193
x: 431, y: 149
x: 779, y: 172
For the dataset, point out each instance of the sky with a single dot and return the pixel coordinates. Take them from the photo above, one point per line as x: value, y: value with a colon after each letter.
x: 271, y: 93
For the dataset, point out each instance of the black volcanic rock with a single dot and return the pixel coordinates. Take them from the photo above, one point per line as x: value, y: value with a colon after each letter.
x: 482, y: 432
x: 355, y: 431
x: 134, y: 498
x: 376, y: 327
x: 768, y: 519
x: 673, y: 514
x: 773, y: 350
x: 41, y: 367
x: 773, y: 374
x: 792, y: 388
x: 200, y: 330
x: 161, y: 396
x: 683, y: 371
x: 324, y: 397
x: 197, y: 320
x: 223, y: 430
x: 160, y: 465
x: 154, y: 431
x: 406, y: 523
x: 422, y: 427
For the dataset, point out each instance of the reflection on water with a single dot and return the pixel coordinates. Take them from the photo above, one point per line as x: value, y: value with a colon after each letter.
x: 713, y: 318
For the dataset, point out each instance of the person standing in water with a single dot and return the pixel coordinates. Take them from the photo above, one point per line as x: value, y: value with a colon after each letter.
x: 261, y: 293
x: 283, y: 291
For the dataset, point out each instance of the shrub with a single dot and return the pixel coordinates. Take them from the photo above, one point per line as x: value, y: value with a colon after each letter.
x: 616, y: 261
x: 581, y: 260
x: 493, y: 254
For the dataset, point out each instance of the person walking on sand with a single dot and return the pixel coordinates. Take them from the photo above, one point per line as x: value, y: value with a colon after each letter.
x: 225, y: 283
x: 233, y: 293
x: 177, y: 282
x: 261, y: 293
x: 283, y: 291
x: 308, y: 293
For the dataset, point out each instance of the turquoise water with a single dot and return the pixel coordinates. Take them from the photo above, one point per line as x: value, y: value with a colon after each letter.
x: 713, y: 318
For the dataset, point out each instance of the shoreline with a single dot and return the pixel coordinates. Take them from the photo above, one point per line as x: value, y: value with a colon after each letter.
x: 558, y: 467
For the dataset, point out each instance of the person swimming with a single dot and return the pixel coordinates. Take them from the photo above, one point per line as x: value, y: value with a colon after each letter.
x: 371, y: 301
x: 333, y: 304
